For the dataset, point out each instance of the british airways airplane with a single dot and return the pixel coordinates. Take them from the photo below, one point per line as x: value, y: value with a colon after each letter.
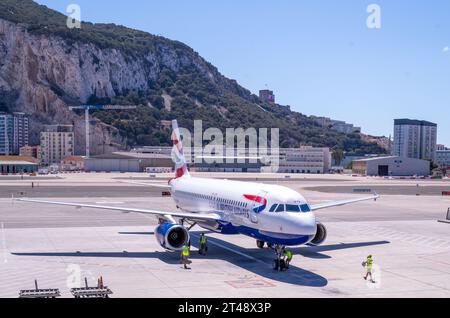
x: 271, y: 214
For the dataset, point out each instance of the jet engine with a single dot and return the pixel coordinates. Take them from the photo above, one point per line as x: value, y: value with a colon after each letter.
x: 321, y: 235
x: 171, y: 236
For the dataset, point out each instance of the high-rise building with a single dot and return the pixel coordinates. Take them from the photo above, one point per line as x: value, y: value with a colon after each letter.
x: 20, y: 136
x: 57, y: 143
x: 267, y: 96
x: 6, y: 134
x: 13, y: 133
x: 415, y: 139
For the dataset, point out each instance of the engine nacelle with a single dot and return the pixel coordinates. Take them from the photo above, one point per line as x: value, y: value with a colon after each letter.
x: 321, y: 235
x: 172, y: 237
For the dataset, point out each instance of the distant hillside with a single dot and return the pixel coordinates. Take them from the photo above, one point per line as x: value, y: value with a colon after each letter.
x: 44, y: 66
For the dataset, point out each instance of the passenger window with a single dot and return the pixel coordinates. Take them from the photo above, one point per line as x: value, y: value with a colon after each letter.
x: 305, y: 208
x: 273, y: 208
x: 292, y: 208
x: 280, y: 208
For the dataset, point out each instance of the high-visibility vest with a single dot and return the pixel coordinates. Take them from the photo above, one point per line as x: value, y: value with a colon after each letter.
x: 369, y: 263
x: 186, y: 251
x: 203, y: 239
x: 288, y: 254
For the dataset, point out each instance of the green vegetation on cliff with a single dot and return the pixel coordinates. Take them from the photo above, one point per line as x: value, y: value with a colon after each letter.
x: 192, y: 92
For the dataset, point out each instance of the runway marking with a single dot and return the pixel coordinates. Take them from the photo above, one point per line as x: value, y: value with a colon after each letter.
x: 105, y: 202
x: 5, y: 257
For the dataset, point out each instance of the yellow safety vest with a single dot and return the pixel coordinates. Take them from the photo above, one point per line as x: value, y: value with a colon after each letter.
x: 288, y: 254
x: 369, y: 263
x: 186, y: 251
x: 203, y: 240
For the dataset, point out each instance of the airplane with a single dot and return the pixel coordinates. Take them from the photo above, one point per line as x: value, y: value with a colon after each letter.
x: 273, y: 215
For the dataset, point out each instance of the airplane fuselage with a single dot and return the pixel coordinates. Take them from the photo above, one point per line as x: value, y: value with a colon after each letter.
x: 266, y: 212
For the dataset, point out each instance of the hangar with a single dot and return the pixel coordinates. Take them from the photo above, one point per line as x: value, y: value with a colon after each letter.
x: 17, y: 164
x: 127, y: 162
x: 391, y: 166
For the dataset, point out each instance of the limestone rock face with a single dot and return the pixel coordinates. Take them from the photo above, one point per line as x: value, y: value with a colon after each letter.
x: 42, y: 74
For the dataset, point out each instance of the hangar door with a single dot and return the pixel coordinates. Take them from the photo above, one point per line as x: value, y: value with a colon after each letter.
x: 383, y: 170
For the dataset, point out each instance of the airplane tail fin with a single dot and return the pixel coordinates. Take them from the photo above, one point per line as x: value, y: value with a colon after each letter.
x: 181, y: 169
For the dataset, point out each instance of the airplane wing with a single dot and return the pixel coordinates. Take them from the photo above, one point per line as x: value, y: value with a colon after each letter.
x: 190, y: 216
x: 154, y: 185
x: 325, y: 205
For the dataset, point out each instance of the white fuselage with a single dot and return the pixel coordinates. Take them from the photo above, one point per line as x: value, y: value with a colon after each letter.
x: 264, y: 211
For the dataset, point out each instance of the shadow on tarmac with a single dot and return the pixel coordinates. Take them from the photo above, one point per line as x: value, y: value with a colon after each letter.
x: 257, y: 261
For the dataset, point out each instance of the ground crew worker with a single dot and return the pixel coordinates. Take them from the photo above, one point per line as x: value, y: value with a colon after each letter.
x: 185, y: 253
x: 369, y: 265
x: 288, y: 257
x: 203, y: 244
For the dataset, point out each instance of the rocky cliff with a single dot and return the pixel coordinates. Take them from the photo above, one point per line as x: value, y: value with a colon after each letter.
x: 41, y: 75
x: 45, y: 67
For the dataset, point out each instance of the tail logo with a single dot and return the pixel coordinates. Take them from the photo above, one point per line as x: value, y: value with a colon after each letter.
x: 262, y: 201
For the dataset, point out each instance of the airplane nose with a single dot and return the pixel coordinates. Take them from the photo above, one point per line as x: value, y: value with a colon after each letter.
x: 302, y: 223
x: 310, y: 224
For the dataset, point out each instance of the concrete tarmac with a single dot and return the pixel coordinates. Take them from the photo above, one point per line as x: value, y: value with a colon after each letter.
x: 60, y: 246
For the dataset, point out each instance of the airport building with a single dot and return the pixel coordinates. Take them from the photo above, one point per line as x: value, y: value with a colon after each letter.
x: 443, y: 158
x: 17, y: 164
x: 57, y: 143
x: 415, y: 139
x: 391, y: 166
x: 305, y: 159
x: 127, y: 162
x: 73, y: 163
x: 13, y: 133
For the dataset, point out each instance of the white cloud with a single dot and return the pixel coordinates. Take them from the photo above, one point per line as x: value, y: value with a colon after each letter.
x: 446, y: 49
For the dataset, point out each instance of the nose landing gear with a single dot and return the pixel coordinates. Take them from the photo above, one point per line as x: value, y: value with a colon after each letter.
x: 279, y: 264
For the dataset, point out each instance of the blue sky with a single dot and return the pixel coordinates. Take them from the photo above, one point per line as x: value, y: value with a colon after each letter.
x: 318, y: 56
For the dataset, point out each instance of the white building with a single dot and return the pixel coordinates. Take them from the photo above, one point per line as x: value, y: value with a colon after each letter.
x: 343, y: 127
x: 305, y: 159
x: 415, y: 139
x: 337, y: 125
x: 57, y: 143
x: 443, y: 158
x: 391, y: 166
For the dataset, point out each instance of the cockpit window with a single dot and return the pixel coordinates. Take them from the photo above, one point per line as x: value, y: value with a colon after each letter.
x: 305, y: 208
x: 280, y: 208
x: 292, y: 208
x: 273, y: 208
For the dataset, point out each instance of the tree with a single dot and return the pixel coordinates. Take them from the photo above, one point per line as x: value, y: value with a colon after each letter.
x: 338, y: 156
x: 433, y: 165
